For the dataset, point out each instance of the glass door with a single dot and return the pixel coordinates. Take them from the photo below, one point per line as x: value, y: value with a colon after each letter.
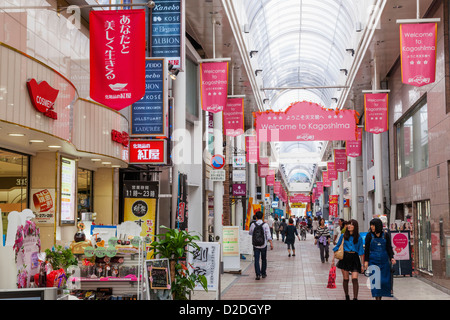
x: 424, y: 235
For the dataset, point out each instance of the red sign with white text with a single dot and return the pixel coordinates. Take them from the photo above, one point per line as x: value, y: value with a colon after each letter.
x: 333, y: 205
x: 332, y: 172
x: 252, y: 149
x: 233, y: 117
x: 120, y: 137
x: 43, y: 97
x: 117, y: 57
x: 214, y: 86
x: 326, y: 181
x: 354, y: 148
x: 148, y: 151
x: 340, y: 160
x: 376, y: 112
x: 305, y: 121
x: 418, y: 53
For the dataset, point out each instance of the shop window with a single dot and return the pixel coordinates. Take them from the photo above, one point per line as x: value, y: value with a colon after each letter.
x: 412, y: 141
x: 424, y: 235
x: 13, y: 184
x: 85, y: 194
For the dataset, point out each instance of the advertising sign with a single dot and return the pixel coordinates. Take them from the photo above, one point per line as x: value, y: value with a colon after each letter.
x: 354, y: 147
x: 325, y: 179
x: 418, y: 53
x: 332, y: 172
x: 117, y: 46
x: 238, y: 161
x: 252, y: 149
x: 205, y: 261
x: 333, y: 205
x: 43, y: 205
x: 239, y: 175
x: 148, y: 151
x: 305, y: 121
x: 230, y: 241
x: 376, y: 112
x: 233, y: 117
x: 43, y: 97
x: 239, y: 190
x: 214, y: 86
x: 149, y: 114
x: 400, y: 245
x: 68, y: 190
x: 340, y: 160
x: 167, y: 39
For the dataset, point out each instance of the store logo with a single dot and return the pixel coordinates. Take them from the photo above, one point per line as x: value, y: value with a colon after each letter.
x: 43, y: 97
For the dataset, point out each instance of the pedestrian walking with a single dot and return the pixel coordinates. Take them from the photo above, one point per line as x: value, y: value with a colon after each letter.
x: 276, y: 226
x: 315, y: 225
x: 353, y: 259
x: 291, y: 232
x: 378, y: 252
x: 340, y: 228
x: 322, y: 239
x: 283, y: 227
x: 260, y: 233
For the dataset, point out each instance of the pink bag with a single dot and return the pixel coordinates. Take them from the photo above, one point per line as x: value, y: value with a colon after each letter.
x: 332, y: 278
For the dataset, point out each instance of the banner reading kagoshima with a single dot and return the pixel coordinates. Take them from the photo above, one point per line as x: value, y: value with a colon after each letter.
x: 214, y: 85
x: 233, y: 117
x: 354, y: 148
x: 376, y: 112
x: 305, y: 121
x: 418, y: 53
x: 117, y: 57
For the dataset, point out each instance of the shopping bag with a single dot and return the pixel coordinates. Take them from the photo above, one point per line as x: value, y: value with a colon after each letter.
x: 332, y: 278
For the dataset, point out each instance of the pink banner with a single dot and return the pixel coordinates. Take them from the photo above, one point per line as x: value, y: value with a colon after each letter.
x: 117, y: 46
x: 319, y: 187
x: 300, y: 198
x: 305, y: 121
x: 214, y: 86
x: 277, y: 187
x: 333, y: 205
x: 270, y: 179
x: 340, y: 160
x: 263, y: 170
x: 354, y: 148
x: 252, y: 149
x: 376, y: 112
x: 326, y: 181
x: 233, y: 117
x: 332, y: 172
x: 418, y: 53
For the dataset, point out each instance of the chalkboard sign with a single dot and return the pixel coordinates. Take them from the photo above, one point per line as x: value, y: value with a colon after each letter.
x: 159, y: 278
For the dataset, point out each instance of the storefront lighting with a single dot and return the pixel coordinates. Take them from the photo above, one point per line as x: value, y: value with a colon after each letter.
x: 107, y: 162
x: 115, y: 166
x: 55, y: 147
x: 15, y: 134
x: 36, y: 141
x: 96, y: 159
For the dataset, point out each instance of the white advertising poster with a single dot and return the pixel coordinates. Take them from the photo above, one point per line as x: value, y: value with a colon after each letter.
x: 400, y: 245
x: 205, y: 261
x: 238, y: 161
x: 68, y: 190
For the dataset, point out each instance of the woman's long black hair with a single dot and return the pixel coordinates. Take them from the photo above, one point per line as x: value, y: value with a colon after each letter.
x: 355, y: 231
x: 378, y: 225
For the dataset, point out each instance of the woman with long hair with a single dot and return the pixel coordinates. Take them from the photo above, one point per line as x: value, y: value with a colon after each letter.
x: 353, y: 260
x: 322, y: 239
x: 379, y: 255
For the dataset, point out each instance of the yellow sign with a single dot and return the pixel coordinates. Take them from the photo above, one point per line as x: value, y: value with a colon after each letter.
x: 298, y: 205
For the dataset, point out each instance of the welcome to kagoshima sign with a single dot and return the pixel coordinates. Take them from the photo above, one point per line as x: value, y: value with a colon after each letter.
x: 306, y: 121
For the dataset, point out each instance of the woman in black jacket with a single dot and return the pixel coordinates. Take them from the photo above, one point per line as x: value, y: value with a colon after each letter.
x: 291, y: 232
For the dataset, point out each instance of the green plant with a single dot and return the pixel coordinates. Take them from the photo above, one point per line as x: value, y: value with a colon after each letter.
x: 173, y: 245
x: 60, y: 257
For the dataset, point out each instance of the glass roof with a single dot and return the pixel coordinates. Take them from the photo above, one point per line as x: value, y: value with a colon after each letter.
x: 300, y: 43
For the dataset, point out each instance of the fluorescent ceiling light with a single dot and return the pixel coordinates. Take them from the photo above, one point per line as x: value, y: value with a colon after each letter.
x: 96, y: 159
x: 106, y: 162
x: 36, y: 140
x: 55, y: 146
x: 15, y: 134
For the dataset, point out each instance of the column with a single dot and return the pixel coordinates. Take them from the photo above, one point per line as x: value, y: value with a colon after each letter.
x: 377, y: 155
x: 218, y: 185
x: 239, y: 205
x: 354, y: 199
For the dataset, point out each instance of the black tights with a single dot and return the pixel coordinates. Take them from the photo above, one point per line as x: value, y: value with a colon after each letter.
x: 355, y: 287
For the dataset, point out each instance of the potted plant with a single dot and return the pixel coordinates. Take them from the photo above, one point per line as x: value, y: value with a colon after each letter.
x: 60, y: 257
x: 173, y: 245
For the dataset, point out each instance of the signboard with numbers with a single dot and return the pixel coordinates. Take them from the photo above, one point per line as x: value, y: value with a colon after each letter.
x: 205, y: 261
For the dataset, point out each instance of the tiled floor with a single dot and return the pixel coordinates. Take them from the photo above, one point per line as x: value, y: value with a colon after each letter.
x: 302, y: 277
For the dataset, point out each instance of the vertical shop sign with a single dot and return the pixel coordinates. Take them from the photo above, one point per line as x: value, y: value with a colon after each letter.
x: 233, y: 117
x: 182, y: 212
x: 167, y: 39
x: 140, y: 205
x: 117, y: 46
x: 205, y: 260
x: 354, y: 147
x: 333, y: 205
x: 68, y: 190
x: 332, y: 172
x: 418, y: 53
x: 340, y: 160
x: 149, y: 115
x: 214, y: 86
x: 376, y: 112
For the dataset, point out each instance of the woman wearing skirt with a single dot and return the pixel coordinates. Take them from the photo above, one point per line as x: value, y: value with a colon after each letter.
x: 353, y: 260
x: 379, y: 255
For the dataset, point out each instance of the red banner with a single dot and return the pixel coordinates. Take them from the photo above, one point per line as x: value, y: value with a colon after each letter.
x: 332, y: 172
x: 326, y: 181
x: 214, y: 86
x: 376, y: 112
x: 117, y: 57
x: 233, y: 117
x: 354, y: 148
x: 418, y: 53
x: 305, y: 121
x: 319, y: 187
x: 340, y: 160
x: 252, y: 149
x: 148, y: 151
x: 300, y: 198
x: 333, y: 206
x: 270, y: 179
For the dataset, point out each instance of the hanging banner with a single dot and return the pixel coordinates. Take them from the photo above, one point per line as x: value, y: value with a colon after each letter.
x: 117, y: 46
x: 354, y: 147
x: 340, y: 160
x: 332, y: 172
x: 277, y: 187
x: 300, y: 198
x: 252, y: 149
x: 418, y: 53
x: 249, y: 215
x: 376, y: 112
x: 270, y: 179
x: 305, y: 121
x: 333, y: 205
x: 214, y: 86
x: 233, y: 117
x: 325, y: 179
x: 319, y: 187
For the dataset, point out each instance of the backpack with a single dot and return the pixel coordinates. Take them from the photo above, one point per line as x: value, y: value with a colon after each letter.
x: 258, y: 238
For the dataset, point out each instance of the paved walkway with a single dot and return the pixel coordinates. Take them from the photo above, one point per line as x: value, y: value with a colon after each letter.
x: 304, y: 277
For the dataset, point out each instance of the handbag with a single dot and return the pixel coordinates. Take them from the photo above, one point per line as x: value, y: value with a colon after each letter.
x: 332, y: 278
x: 339, y: 254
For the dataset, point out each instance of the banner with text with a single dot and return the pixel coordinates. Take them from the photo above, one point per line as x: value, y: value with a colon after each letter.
x: 418, y: 53
x: 214, y: 86
x: 117, y: 46
x: 376, y: 112
x: 340, y: 160
x: 233, y: 117
x: 354, y: 147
